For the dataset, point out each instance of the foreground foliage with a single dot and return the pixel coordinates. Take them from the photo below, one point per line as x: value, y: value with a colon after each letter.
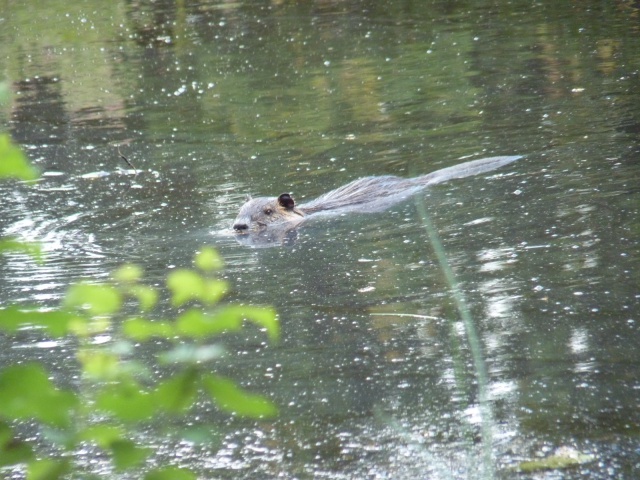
x: 115, y: 387
x: 113, y: 395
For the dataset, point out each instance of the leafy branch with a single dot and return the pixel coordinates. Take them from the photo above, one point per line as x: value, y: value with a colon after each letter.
x: 115, y: 394
x: 118, y: 388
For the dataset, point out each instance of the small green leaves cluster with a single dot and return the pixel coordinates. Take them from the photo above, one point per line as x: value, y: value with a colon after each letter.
x: 14, y: 165
x: 113, y: 384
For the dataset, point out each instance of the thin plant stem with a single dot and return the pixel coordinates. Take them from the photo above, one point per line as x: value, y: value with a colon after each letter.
x: 473, y: 339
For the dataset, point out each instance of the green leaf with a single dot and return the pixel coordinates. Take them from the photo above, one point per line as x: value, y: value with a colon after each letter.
x: 127, y: 454
x: 197, y: 324
x: 48, y: 469
x: 208, y: 259
x: 142, y: 330
x: 178, y: 393
x: 55, y: 323
x: 83, y: 327
x: 127, y: 401
x: 265, y: 317
x: 170, y: 473
x: 33, y: 249
x: 97, y: 299
x: 27, y: 392
x: 213, y: 291
x: 12, y: 450
x: 15, y: 453
x: 99, y: 364
x: 185, y: 285
x: 13, y: 162
x: 128, y: 273
x: 231, y: 398
x: 101, y: 435
x: 147, y: 296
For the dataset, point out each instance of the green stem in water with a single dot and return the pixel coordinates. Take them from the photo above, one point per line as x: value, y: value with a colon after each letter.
x: 482, y: 377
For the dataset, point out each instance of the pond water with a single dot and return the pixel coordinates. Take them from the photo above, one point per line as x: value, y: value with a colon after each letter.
x: 523, y: 345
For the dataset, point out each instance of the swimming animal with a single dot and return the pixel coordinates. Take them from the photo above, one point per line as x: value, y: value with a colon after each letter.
x: 365, y: 195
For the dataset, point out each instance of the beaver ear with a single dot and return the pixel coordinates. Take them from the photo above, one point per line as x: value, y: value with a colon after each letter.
x: 247, y: 197
x: 285, y: 200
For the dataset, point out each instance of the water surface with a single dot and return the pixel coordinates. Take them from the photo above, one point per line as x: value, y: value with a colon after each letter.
x: 375, y: 375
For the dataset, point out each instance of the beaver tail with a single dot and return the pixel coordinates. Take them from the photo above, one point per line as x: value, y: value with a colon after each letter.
x: 466, y: 169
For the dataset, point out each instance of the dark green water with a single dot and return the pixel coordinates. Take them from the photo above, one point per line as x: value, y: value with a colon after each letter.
x: 375, y: 375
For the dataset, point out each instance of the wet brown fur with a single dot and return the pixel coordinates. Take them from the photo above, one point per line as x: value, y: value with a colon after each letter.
x: 368, y: 194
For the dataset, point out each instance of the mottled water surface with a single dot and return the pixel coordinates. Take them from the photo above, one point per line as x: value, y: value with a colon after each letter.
x: 377, y: 374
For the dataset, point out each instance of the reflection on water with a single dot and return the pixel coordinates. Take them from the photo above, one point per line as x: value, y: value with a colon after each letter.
x: 374, y: 373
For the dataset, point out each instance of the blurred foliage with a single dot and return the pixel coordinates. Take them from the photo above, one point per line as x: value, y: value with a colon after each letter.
x: 119, y: 391
x: 13, y: 162
x: 14, y: 165
x: 118, y: 388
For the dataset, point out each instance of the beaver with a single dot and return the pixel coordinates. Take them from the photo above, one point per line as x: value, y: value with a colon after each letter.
x: 365, y: 195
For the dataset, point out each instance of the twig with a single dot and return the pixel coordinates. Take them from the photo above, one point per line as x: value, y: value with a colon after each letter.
x: 135, y: 170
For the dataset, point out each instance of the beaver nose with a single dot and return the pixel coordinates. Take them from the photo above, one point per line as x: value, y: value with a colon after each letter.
x: 240, y: 226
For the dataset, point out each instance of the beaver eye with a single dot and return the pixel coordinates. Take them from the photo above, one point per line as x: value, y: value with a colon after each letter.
x: 268, y: 211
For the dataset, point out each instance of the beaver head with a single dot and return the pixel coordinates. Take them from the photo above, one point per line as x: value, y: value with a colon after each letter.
x: 259, y: 213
